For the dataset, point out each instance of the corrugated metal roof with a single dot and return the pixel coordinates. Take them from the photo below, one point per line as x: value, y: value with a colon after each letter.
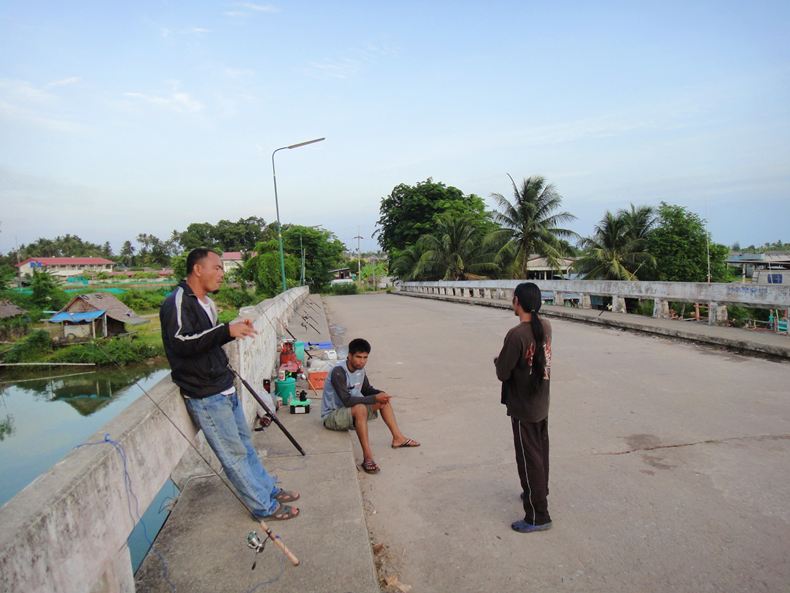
x: 76, y: 317
x: 107, y: 302
x: 67, y: 261
x: 9, y: 309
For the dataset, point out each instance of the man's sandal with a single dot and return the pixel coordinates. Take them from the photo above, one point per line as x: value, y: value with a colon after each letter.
x: 283, y: 512
x: 370, y: 467
x: 287, y: 496
x: 406, y: 444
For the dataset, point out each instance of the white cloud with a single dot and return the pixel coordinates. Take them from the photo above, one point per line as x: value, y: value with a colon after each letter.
x: 21, y: 90
x: 270, y: 8
x: 237, y: 73
x: 343, y: 68
x: 243, y: 9
x: 167, y: 32
x: 64, y: 82
x: 18, y: 114
x: 352, y: 63
x: 22, y: 102
x: 176, y: 100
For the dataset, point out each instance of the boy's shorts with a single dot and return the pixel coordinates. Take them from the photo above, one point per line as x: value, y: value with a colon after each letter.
x: 341, y: 419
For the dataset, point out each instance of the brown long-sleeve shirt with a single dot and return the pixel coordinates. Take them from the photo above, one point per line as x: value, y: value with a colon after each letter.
x: 525, y: 399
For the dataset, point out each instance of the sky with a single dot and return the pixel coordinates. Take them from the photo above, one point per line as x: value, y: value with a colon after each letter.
x: 120, y: 118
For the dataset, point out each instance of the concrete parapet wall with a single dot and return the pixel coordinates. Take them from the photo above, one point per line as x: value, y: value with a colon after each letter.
x: 67, y: 530
x: 255, y: 360
x: 751, y: 295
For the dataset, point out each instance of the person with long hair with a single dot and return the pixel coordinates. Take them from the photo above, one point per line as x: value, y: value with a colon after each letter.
x: 524, y: 368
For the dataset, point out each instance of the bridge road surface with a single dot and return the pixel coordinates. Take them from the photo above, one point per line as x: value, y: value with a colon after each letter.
x: 670, y: 462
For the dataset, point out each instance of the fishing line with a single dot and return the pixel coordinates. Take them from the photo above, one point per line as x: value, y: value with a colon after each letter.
x: 130, y: 493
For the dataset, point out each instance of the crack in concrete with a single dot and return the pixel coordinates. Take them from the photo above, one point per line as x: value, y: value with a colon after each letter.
x: 760, y: 437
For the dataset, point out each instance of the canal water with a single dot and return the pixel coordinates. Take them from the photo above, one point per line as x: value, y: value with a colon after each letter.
x: 42, y: 419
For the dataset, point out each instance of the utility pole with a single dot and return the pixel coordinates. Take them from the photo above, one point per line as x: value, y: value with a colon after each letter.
x: 301, y: 248
x: 359, y: 258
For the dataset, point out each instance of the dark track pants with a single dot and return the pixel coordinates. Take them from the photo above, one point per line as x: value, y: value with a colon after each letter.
x: 531, y: 441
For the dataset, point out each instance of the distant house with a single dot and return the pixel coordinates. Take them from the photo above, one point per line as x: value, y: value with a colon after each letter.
x: 9, y: 310
x: 231, y: 260
x: 341, y: 276
x: 763, y: 268
x: 94, y: 315
x: 64, y: 266
x: 538, y: 268
x: 14, y: 321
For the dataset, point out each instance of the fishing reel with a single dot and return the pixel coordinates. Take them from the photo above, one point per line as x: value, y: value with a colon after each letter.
x: 254, y: 542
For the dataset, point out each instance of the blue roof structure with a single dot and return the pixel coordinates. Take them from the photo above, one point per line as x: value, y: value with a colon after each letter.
x: 76, y: 317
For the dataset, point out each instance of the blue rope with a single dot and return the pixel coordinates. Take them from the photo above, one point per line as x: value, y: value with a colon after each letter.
x: 136, y: 518
x: 130, y: 495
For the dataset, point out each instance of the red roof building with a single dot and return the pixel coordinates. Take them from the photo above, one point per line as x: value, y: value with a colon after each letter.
x: 65, y: 266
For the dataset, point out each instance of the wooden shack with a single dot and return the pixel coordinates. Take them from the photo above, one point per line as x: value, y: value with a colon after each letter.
x: 98, y: 314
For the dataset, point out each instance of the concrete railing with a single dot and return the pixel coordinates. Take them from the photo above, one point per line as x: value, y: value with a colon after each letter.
x: 67, y: 531
x: 715, y: 296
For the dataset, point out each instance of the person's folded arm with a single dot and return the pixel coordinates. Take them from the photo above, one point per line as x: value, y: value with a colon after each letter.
x: 508, y: 357
x: 339, y: 382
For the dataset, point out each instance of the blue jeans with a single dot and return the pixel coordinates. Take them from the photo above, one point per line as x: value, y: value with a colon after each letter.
x: 222, y: 421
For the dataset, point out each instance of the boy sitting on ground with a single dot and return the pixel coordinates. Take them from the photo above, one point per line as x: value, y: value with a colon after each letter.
x: 350, y: 401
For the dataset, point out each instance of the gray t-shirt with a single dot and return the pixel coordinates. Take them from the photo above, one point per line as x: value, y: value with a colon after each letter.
x: 345, y: 389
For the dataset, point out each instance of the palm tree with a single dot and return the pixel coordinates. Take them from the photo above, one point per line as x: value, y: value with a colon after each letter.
x: 531, y: 223
x: 639, y: 221
x: 617, y: 249
x: 404, y: 266
x: 453, y: 251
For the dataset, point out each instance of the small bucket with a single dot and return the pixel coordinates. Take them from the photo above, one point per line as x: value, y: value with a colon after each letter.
x: 316, y: 379
x: 285, y: 389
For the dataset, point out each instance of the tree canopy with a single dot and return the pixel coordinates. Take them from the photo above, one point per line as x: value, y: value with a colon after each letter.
x: 531, y: 223
x: 617, y: 249
x: 62, y: 246
x: 678, y: 244
x: 241, y: 235
x: 322, y: 252
x: 411, y: 211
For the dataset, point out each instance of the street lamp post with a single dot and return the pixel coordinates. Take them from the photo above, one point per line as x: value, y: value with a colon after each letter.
x: 277, y: 205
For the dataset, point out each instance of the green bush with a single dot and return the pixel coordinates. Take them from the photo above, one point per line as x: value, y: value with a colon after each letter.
x: 122, y: 350
x: 14, y: 327
x: 235, y: 297
x: 143, y: 300
x: 347, y: 288
x: 740, y: 316
x: 645, y: 307
x: 227, y: 315
x: 30, y: 348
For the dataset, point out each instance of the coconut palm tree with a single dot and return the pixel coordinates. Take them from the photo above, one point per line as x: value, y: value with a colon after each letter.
x: 404, y: 266
x: 453, y: 251
x: 531, y: 223
x: 639, y: 221
x: 617, y: 249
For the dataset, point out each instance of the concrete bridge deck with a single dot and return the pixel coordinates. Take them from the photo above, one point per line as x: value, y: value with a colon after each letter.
x: 669, y: 459
x: 669, y: 470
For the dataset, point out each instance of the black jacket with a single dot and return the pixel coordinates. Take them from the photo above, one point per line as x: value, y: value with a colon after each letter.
x: 193, y: 345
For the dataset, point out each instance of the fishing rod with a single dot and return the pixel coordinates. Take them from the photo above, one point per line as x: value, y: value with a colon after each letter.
x: 268, y: 411
x: 290, y: 333
x: 266, y: 529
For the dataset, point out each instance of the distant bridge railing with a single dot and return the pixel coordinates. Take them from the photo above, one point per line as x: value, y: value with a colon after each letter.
x: 716, y: 295
x: 67, y: 531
